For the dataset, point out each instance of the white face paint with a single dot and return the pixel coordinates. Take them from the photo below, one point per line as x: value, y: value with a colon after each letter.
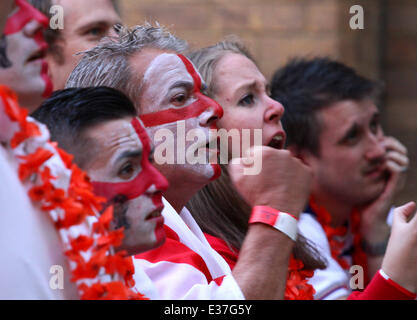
x: 167, y: 84
x: 25, y: 48
x: 117, y: 158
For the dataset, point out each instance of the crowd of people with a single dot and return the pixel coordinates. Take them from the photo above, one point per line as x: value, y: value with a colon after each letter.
x: 112, y: 170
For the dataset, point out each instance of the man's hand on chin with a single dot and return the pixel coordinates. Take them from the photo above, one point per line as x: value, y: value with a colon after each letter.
x: 374, y: 215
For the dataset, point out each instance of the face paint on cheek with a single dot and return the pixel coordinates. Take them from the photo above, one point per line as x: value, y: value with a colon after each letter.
x: 157, y: 200
x: 44, y: 69
x: 138, y: 185
x: 146, y: 178
x: 23, y: 16
x: 17, y: 22
x: 120, y: 216
x: 202, y: 104
x: 159, y: 231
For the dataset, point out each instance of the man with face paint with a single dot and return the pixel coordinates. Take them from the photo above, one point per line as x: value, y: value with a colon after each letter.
x: 146, y: 63
x: 30, y: 249
x: 99, y: 127
x: 22, y: 55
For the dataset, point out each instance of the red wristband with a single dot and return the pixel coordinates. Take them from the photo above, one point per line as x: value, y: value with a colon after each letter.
x: 282, y: 221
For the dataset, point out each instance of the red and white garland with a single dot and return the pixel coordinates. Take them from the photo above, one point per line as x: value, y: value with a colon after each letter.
x: 64, y: 192
x: 336, y: 245
x: 298, y: 287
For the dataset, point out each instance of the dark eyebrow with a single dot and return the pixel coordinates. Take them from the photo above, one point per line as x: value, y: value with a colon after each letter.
x: 129, y: 154
x: 100, y: 24
x: 188, y: 85
x: 251, y: 85
x: 247, y: 86
x: 353, y: 127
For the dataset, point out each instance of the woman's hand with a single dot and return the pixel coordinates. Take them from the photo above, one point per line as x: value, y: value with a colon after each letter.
x: 400, y: 261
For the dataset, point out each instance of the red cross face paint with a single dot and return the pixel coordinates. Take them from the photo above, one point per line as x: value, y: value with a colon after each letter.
x: 25, y: 48
x: 174, y: 108
x: 123, y: 173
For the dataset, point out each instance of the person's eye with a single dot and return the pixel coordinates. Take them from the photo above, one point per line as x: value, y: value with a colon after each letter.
x: 247, y: 100
x: 352, y: 136
x: 179, y: 99
x: 96, y: 32
x: 126, y: 171
x: 374, y: 126
x: 268, y: 91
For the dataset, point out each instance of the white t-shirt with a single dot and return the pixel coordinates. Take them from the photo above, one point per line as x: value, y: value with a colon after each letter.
x: 333, y: 282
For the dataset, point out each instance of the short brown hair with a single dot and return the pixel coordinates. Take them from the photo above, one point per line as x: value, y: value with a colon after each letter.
x: 54, y: 36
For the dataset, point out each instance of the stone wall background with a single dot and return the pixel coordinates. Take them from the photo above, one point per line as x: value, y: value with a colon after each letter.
x: 275, y: 30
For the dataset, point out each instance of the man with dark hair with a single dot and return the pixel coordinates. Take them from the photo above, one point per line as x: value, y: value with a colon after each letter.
x: 85, y: 24
x: 333, y: 125
x: 100, y: 128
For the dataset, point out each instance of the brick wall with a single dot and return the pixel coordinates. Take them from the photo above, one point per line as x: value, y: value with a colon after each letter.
x: 400, y: 64
x: 275, y: 30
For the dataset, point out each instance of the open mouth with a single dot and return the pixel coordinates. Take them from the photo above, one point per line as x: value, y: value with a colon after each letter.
x: 375, y: 171
x: 154, y: 214
x: 38, y: 55
x: 277, y: 141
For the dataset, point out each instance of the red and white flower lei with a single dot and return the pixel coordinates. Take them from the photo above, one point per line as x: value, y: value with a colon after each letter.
x: 297, y: 287
x: 65, y: 193
x: 336, y: 246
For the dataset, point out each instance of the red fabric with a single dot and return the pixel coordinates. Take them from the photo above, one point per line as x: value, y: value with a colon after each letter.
x: 219, y: 280
x: 175, y: 251
x: 358, y: 256
x: 220, y: 246
x: 297, y: 279
x: 382, y: 289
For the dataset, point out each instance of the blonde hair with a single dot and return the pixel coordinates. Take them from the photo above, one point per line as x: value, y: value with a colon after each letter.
x: 218, y: 208
x: 207, y: 59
